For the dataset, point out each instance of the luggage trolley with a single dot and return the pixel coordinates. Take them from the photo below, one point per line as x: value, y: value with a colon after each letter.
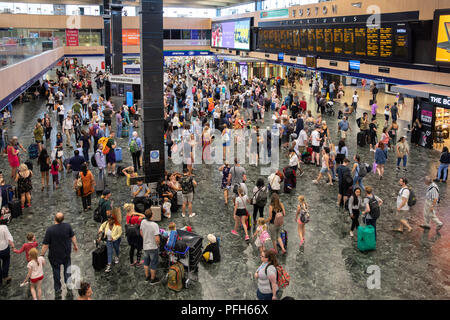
x: 191, y: 256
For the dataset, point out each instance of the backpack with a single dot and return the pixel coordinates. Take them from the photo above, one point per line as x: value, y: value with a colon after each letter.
x: 132, y: 111
x: 92, y: 131
x: 412, y: 198
x: 186, y: 185
x: 304, y: 216
x: 283, y: 278
x: 94, y: 161
x: 98, y: 212
x: 175, y: 277
x: 172, y: 240
x: 358, y: 122
x: 374, y: 208
x: 362, y: 171
x: 261, y: 197
x: 347, y: 177
x: 279, y: 219
x: 133, y: 146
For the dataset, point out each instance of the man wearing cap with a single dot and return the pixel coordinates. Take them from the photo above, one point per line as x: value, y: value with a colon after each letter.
x: 105, y: 205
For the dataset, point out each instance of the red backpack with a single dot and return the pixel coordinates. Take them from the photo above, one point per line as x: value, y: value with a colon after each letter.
x: 283, y: 278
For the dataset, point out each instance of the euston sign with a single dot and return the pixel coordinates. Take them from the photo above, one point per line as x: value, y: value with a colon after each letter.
x: 442, y: 101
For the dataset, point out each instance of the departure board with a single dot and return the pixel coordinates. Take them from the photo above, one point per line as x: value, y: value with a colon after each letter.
x: 320, y: 41
x: 295, y: 40
x: 283, y: 39
x: 373, y: 42
x: 304, y: 39
x: 360, y: 41
x: 386, y: 42
x: 311, y: 39
x: 338, y: 40
x: 328, y: 40
x: 401, y: 43
x: 349, y: 41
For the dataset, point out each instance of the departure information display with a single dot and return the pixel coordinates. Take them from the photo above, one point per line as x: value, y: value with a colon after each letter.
x: 338, y: 40
x: 373, y: 43
x: 386, y: 42
x: 360, y: 40
x: 391, y: 41
x: 320, y: 41
x: 328, y: 40
x: 349, y: 41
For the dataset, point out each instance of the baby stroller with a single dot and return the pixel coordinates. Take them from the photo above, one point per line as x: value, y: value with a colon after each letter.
x: 307, y: 156
x: 187, y: 251
x: 329, y: 108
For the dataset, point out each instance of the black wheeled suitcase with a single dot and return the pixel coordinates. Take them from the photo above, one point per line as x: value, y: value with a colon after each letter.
x: 361, y: 139
x: 99, y: 257
x: 15, y: 207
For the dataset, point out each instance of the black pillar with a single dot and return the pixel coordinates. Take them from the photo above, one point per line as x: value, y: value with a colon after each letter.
x: 107, y: 43
x: 152, y: 79
x: 116, y: 33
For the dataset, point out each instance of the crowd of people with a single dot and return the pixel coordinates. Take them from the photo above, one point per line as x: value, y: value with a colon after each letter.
x: 207, y: 110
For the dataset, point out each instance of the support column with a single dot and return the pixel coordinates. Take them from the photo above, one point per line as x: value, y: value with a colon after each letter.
x: 107, y: 43
x: 116, y: 33
x: 152, y: 79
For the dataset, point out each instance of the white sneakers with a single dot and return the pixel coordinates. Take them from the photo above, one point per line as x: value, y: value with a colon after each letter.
x: 351, y: 233
x: 192, y: 215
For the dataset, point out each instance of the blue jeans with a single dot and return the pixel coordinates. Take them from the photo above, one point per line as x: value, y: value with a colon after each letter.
x: 372, y: 222
x: 264, y: 296
x: 442, y: 171
x: 56, y: 267
x: 405, y: 157
x: 119, y: 130
x: 358, y: 180
x: 5, y: 256
x: 110, y: 245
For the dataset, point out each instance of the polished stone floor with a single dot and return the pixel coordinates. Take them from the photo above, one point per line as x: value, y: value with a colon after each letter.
x: 412, y: 266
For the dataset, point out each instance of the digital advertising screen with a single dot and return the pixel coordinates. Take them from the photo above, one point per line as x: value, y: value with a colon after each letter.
x: 443, y: 38
x: 231, y: 34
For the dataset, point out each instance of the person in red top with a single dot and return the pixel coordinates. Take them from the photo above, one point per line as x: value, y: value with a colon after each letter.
x: 283, y: 107
x: 134, y: 240
x: 32, y: 243
x: 303, y: 104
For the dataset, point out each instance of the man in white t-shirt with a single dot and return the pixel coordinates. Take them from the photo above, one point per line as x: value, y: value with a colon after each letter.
x: 355, y: 100
x: 315, y: 141
x: 402, y: 206
x: 301, y: 142
x: 150, y: 233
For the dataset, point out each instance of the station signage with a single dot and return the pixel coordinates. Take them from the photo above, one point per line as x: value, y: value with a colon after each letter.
x: 441, y: 101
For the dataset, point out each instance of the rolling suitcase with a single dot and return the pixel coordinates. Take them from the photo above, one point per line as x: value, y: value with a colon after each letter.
x: 366, y: 238
x: 284, y: 238
x: 33, y: 152
x: 118, y: 152
x: 155, y: 207
x: 125, y: 131
x: 361, y: 139
x: 15, y: 207
x: 99, y: 257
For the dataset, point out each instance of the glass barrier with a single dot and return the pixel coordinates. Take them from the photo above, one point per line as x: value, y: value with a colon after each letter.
x: 13, y: 50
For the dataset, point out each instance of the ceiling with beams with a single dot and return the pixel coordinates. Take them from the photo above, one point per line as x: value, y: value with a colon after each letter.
x: 167, y: 3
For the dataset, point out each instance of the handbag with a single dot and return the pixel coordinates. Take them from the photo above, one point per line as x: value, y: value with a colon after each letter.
x: 374, y: 167
x: 79, y: 184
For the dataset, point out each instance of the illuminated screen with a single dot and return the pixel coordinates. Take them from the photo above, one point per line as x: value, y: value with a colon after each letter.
x: 231, y: 34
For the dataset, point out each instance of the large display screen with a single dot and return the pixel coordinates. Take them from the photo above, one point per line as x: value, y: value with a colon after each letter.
x: 443, y: 38
x: 231, y: 34
x: 391, y: 41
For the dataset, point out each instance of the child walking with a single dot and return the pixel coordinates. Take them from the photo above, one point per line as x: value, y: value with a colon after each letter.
x: 55, y: 174
x: 261, y: 235
x: 35, y: 273
x: 32, y: 243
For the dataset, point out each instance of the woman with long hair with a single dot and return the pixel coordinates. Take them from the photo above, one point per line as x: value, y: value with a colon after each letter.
x: 111, y: 231
x: 354, y: 206
x: 267, y: 276
x: 135, y: 240
x: 302, y: 217
x: 275, y: 230
x: 13, y: 157
x: 240, y: 212
x: 44, y: 163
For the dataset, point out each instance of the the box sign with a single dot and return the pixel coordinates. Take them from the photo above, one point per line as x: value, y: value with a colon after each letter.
x: 72, y: 37
x: 354, y: 65
x: 280, y: 13
x: 441, y: 101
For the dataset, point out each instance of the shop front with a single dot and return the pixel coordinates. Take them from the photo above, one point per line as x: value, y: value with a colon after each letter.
x: 431, y: 115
